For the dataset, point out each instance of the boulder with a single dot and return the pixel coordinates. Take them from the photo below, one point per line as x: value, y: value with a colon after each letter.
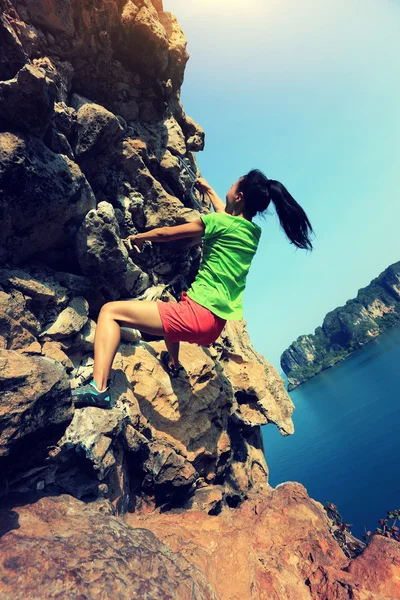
x: 70, y: 321
x: 56, y: 16
x: 27, y: 101
x: 104, y: 258
x: 46, y: 197
x: 89, y: 554
x: 12, y: 53
x: 34, y: 399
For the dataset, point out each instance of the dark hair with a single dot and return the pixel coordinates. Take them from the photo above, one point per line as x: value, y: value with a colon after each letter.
x: 258, y: 191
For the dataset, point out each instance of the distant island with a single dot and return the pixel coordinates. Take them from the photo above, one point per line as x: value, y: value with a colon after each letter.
x: 346, y: 328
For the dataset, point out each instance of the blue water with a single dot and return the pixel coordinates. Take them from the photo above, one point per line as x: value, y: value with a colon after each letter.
x: 346, y: 444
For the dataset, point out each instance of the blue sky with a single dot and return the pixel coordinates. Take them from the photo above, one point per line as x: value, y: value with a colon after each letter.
x: 309, y: 93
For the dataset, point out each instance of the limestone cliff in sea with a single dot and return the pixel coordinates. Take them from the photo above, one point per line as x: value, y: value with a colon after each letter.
x: 345, y: 329
x: 167, y: 494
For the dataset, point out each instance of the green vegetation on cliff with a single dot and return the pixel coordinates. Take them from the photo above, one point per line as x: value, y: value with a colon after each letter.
x: 346, y: 328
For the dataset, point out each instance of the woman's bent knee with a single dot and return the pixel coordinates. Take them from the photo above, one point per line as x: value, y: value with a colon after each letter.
x: 107, y: 308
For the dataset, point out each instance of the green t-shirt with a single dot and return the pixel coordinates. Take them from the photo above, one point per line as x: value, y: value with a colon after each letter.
x: 229, y: 244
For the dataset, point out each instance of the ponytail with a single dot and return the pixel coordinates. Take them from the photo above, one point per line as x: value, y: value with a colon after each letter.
x: 258, y: 191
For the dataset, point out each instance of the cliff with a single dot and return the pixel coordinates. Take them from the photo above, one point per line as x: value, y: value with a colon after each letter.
x: 345, y: 329
x: 167, y: 494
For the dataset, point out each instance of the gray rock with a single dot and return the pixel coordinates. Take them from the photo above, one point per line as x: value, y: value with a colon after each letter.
x: 70, y: 321
x: 104, y: 258
x: 56, y: 16
x: 19, y: 327
x: 27, y: 101
x: 66, y: 548
x: 12, y: 53
x: 25, y: 283
x: 97, y: 130
x: 46, y: 197
x: 35, y: 397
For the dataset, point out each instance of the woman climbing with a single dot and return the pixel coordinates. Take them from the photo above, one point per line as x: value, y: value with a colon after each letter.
x: 230, y: 240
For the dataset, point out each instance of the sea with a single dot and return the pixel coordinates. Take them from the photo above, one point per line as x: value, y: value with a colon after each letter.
x: 346, y: 444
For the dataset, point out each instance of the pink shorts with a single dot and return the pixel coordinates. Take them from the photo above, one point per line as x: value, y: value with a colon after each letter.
x: 188, y: 321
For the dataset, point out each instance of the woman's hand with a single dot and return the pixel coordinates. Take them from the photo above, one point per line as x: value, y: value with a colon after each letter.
x: 202, y: 184
x: 134, y: 241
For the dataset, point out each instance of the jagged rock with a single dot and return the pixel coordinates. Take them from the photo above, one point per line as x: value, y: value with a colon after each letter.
x: 260, y: 393
x: 97, y: 129
x: 176, y: 140
x: 24, y: 282
x: 61, y: 73
x: 64, y: 118
x: 89, y: 555
x: 178, y: 56
x: 91, y: 432
x: 130, y: 335
x: 56, y: 16
x: 58, y: 143
x: 81, y: 286
x: 19, y: 327
x: 54, y: 351
x: 208, y: 499
x: 193, y: 413
x: 27, y: 101
x: 145, y: 37
x: 167, y: 472
x: 46, y: 198
x: 276, y: 545
x: 71, y: 320
x: 12, y: 53
x: 35, y: 397
x: 86, y: 336
x: 103, y: 257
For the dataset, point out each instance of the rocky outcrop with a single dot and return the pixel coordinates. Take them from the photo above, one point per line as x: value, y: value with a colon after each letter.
x: 60, y: 547
x: 91, y: 131
x: 89, y: 143
x: 346, y: 328
x: 277, y: 544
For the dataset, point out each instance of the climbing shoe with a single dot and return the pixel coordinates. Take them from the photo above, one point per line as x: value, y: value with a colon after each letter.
x: 171, y: 370
x: 89, y: 395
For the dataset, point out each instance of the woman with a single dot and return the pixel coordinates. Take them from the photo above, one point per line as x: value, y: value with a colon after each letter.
x: 230, y: 240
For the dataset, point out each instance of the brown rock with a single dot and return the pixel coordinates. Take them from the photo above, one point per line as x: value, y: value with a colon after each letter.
x: 70, y: 321
x: 259, y: 390
x: 178, y: 56
x: 104, y: 258
x: 277, y: 545
x: 35, y: 397
x: 18, y: 325
x: 13, y: 56
x: 28, y: 285
x: 46, y: 189
x: 55, y: 15
x: 97, y: 129
x: 27, y: 101
x: 53, y: 350
x: 59, y: 547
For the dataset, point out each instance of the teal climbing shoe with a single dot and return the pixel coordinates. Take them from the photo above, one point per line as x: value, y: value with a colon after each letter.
x: 172, y: 371
x: 89, y: 395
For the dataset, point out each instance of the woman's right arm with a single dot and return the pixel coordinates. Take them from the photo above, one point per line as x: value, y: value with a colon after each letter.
x: 203, y: 185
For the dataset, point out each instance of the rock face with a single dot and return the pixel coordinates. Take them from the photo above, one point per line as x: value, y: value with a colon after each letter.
x: 60, y: 547
x: 91, y: 128
x: 275, y: 545
x: 376, y: 308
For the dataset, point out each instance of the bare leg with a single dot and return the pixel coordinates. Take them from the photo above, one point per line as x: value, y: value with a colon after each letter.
x: 142, y: 315
x: 173, y: 349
